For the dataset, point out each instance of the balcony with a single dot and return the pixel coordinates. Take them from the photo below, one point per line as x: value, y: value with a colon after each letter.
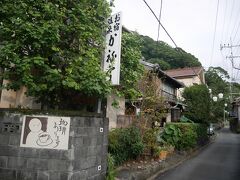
x: 168, y: 96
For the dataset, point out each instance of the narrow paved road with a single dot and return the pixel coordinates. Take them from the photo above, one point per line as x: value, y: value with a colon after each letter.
x: 219, y: 161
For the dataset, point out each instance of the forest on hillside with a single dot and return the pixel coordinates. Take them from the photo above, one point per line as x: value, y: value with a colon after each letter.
x: 159, y: 52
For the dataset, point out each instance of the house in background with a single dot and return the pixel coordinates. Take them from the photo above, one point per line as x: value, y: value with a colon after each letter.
x: 167, y: 89
x: 189, y: 76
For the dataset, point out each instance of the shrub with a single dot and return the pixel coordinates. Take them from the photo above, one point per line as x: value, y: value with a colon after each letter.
x: 184, y: 136
x: 202, y: 136
x: 150, y: 140
x: 171, y: 134
x: 189, y: 136
x: 125, y: 144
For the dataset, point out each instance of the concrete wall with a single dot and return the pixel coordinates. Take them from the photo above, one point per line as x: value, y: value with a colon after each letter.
x: 86, y: 157
x: 112, y: 112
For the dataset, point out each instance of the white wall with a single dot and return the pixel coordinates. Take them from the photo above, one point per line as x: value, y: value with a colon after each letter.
x: 188, y: 81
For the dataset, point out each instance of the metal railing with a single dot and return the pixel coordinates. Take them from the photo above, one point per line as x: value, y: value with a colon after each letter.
x: 168, y: 96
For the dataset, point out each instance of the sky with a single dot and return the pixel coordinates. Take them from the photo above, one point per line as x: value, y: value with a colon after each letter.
x: 191, y: 24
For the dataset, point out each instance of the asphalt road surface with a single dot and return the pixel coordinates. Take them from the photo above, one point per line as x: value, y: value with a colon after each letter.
x: 219, y: 161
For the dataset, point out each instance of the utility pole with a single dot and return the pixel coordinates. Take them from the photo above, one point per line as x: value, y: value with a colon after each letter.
x: 231, y: 57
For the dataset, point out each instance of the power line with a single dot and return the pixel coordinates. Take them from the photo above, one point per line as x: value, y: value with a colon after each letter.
x: 224, y: 19
x: 236, y: 31
x: 160, y: 23
x: 177, y: 49
x: 235, y: 23
x: 230, y: 17
x: 215, y: 28
x: 160, y: 15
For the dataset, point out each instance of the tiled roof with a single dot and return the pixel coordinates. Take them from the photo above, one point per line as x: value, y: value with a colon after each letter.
x: 182, y: 72
x: 150, y: 66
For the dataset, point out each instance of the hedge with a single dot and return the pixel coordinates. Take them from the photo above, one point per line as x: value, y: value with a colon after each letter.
x: 184, y: 136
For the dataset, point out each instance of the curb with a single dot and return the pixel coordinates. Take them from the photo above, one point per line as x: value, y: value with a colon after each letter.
x: 195, y: 153
x: 156, y: 170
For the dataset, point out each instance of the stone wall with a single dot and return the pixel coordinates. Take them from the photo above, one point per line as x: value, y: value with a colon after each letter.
x: 86, y: 157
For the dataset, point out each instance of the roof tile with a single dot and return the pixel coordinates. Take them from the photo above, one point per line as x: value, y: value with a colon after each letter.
x: 182, y: 72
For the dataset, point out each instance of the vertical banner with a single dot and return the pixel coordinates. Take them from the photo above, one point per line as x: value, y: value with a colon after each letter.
x: 112, y: 55
x: 48, y: 132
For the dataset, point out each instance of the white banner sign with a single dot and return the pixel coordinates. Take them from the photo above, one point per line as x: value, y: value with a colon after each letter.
x: 47, y: 132
x: 113, y: 48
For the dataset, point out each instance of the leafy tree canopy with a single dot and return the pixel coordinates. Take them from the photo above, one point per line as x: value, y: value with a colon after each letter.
x: 162, y: 52
x: 131, y: 69
x: 53, y: 47
x: 216, y: 79
x: 197, y: 99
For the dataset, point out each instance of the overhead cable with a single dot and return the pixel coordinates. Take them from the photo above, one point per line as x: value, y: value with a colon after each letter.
x: 160, y: 23
x: 214, y: 35
x: 159, y: 18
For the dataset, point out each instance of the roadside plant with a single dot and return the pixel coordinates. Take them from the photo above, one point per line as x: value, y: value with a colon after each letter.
x: 125, y: 144
x: 111, y: 173
x: 189, y: 136
x: 171, y: 134
x: 150, y: 141
x: 184, y: 136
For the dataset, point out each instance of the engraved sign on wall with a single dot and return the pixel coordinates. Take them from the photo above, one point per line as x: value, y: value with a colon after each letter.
x: 49, y: 132
x: 112, y: 56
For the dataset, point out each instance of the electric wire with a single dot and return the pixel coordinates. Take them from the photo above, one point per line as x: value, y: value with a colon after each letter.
x: 235, y: 23
x: 236, y: 31
x: 214, y: 35
x: 224, y: 19
x: 230, y: 20
x: 160, y: 23
x: 160, y: 15
x: 177, y: 49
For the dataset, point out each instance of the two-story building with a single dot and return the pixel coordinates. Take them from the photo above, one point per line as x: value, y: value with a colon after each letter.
x: 168, y: 87
x: 188, y: 76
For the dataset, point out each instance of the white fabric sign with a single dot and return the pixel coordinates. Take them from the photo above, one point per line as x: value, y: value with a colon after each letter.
x: 113, y: 48
x: 47, y: 132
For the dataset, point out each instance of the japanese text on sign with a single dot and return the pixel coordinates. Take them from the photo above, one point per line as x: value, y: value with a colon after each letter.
x: 46, y: 132
x: 113, y: 48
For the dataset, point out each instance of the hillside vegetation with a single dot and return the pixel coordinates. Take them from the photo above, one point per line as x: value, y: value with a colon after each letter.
x: 165, y: 55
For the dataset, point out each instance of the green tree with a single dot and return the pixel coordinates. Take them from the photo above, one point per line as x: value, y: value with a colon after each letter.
x: 131, y: 68
x: 54, y: 47
x: 216, y: 79
x: 197, y: 99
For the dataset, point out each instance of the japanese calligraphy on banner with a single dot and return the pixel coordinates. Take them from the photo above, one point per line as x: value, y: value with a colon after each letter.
x: 47, y: 132
x: 113, y: 48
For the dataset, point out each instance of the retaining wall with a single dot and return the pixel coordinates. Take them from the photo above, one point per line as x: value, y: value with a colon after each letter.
x: 85, y: 158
